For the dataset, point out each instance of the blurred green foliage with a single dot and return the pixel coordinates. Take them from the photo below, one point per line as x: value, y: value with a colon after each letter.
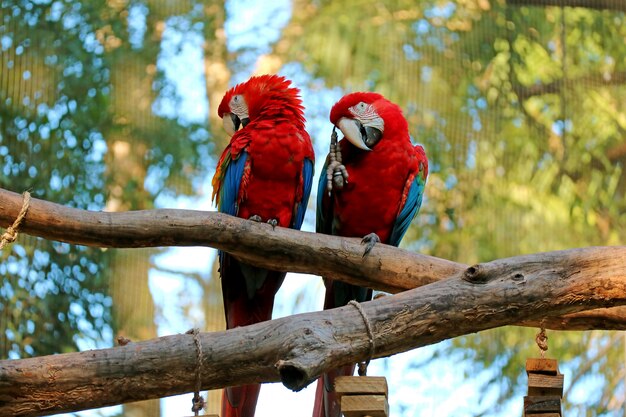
x: 60, y: 116
x: 522, y: 115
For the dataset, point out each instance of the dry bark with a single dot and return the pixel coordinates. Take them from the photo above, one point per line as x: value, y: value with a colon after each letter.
x: 392, y: 269
x: 297, y: 349
x: 386, y: 268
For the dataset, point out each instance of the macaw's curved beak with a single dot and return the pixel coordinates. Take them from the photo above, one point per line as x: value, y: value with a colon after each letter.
x: 363, y: 137
x: 232, y: 123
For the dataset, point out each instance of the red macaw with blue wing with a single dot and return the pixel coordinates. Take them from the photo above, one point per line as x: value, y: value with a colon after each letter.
x: 264, y: 174
x: 379, y: 192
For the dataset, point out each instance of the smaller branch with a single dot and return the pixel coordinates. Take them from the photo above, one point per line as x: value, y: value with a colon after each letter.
x: 587, y: 4
x: 555, y: 87
x: 616, y: 152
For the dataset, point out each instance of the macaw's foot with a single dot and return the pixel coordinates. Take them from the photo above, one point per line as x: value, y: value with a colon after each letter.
x: 273, y: 223
x: 369, y: 240
x: 336, y: 176
x: 255, y: 218
x: 336, y: 173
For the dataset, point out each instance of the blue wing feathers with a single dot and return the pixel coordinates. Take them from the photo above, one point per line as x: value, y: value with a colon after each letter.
x: 409, y: 211
x: 307, y: 177
x: 322, y: 216
x: 230, y: 186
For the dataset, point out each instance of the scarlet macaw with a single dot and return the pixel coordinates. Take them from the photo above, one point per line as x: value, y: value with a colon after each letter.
x: 264, y: 174
x: 379, y: 198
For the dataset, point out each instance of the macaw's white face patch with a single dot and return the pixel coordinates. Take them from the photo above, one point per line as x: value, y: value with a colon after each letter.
x: 367, y: 115
x: 239, y: 107
x: 238, y: 115
x: 365, y: 128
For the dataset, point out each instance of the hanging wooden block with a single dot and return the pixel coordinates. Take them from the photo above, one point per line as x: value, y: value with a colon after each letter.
x: 545, y: 388
x: 534, y: 405
x: 542, y: 366
x: 362, y: 396
x: 546, y: 415
x: 364, y: 405
x: 355, y: 385
x: 545, y: 385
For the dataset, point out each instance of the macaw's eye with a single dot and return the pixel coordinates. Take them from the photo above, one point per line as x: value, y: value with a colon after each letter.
x: 361, y: 106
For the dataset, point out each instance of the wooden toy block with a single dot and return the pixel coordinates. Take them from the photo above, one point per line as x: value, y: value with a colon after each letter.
x: 364, y: 405
x: 543, y: 415
x: 539, y: 384
x: 542, y: 366
x: 361, y: 385
x: 534, y: 405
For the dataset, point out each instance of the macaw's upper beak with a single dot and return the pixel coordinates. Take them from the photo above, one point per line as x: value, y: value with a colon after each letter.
x: 363, y: 137
x: 232, y: 122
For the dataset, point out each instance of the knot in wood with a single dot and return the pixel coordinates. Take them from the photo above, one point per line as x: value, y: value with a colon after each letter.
x: 476, y: 274
x: 519, y: 277
x: 292, y: 375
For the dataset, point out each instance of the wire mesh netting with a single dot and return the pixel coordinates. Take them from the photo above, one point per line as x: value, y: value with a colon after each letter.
x: 111, y: 105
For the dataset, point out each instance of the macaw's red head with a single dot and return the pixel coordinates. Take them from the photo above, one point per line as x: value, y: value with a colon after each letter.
x: 367, y: 118
x: 268, y: 97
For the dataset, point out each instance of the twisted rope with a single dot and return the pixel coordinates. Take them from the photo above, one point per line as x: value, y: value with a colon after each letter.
x: 370, y: 334
x: 10, y: 234
x: 197, y: 401
x: 542, y: 341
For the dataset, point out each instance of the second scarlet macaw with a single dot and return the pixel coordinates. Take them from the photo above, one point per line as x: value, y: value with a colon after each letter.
x: 264, y: 174
x: 380, y: 192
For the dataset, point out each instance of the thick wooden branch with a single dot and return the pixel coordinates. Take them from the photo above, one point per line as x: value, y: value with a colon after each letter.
x: 386, y: 268
x: 588, y: 4
x: 297, y: 349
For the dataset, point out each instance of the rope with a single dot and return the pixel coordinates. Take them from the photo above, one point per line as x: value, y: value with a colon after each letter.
x: 542, y: 341
x: 10, y: 234
x: 370, y: 334
x: 197, y: 401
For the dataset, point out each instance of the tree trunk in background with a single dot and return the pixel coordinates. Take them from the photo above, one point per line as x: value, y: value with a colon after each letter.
x: 216, y: 71
x: 133, y: 306
x: 132, y: 75
x: 213, y: 308
x: 133, y: 310
x: 217, y: 76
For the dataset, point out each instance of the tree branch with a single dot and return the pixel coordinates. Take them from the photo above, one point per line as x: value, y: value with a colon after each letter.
x: 555, y: 87
x: 391, y: 269
x: 386, y: 268
x: 588, y: 4
x: 297, y: 349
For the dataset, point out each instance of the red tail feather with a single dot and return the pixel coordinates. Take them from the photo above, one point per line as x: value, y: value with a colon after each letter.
x: 240, y: 401
x: 326, y: 404
x: 243, y: 310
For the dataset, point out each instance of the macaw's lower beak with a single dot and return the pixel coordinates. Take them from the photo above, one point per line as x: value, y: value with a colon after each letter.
x: 363, y: 137
x: 232, y: 122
